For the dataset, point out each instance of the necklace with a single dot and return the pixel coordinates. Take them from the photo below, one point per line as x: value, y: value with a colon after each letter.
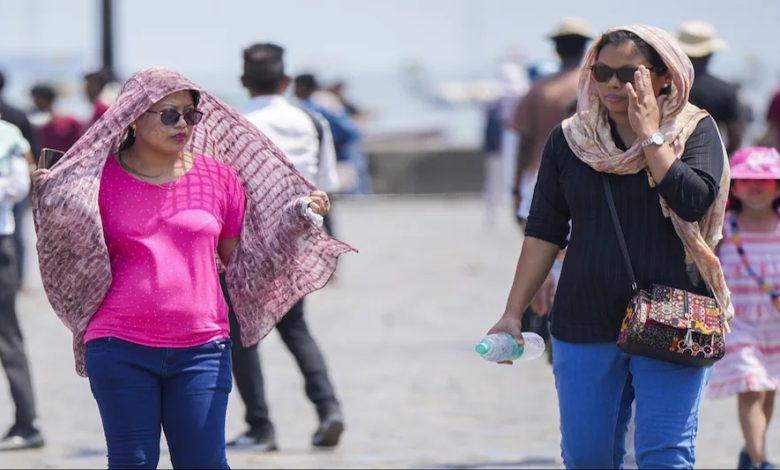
x: 168, y: 185
x: 735, y: 237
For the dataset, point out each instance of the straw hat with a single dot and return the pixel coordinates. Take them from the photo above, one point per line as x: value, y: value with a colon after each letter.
x: 572, y: 26
x: 699, y: 38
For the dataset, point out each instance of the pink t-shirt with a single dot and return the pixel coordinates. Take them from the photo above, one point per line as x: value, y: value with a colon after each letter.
x: 165, y: 290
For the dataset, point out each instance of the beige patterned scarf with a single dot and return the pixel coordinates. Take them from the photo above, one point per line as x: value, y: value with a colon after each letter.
x: 589, y: 136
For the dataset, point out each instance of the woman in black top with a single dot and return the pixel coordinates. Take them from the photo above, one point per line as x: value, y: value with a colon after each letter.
x: 665, y: 162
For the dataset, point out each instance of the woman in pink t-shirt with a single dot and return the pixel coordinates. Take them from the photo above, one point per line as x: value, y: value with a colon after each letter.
x: 158, y: 347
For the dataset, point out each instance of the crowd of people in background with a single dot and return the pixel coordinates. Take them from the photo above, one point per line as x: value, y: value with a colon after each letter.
x: 319, y: 130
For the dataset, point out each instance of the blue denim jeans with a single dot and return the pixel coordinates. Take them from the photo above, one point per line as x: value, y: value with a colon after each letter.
x: 597, y: 384
x: 140, y: 389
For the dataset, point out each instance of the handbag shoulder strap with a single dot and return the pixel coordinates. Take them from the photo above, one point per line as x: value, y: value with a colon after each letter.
x: 618, y: 230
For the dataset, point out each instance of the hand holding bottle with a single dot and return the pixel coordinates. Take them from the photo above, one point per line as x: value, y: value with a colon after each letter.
x: 504, y: 348
x: 511, y: 325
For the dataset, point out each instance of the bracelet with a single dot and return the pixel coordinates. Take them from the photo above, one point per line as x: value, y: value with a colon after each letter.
x: 307, y: 212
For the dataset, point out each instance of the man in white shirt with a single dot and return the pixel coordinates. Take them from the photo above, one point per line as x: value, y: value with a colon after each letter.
x: 306, y: 140
x: 14, y: 186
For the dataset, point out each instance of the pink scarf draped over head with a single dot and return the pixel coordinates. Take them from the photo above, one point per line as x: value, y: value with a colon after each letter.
x: 589, y: 136
x: 280, y: 257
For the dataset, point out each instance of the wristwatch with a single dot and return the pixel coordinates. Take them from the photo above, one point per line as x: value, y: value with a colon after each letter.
x: 656, y: 139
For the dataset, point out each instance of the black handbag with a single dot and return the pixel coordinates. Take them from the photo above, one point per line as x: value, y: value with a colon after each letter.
x: 665, y: 322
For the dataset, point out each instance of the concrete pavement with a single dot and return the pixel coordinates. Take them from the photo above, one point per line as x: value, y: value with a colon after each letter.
x: 397, y: 327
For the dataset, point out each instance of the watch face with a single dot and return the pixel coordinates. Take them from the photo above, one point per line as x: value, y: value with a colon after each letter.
x: 657, y: 139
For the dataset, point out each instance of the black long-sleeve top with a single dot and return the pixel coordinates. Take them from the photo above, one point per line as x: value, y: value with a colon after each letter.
x: 594, y: 286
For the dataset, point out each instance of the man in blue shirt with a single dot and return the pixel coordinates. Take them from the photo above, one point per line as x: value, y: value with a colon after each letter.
x: 346, y: 135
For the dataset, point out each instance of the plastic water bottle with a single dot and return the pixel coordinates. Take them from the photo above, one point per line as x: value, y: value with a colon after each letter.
x: 504, y: 347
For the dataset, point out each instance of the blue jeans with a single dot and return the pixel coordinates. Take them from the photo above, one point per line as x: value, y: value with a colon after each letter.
x: 597, y: 384
x: 140, y: 388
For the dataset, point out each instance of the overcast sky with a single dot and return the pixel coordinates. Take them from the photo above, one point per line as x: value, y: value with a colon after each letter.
x: 203, y: 38
x: 366, y: 42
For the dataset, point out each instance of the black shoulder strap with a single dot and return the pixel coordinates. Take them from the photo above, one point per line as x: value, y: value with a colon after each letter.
x: 317, y: 125
x: 618, y: 230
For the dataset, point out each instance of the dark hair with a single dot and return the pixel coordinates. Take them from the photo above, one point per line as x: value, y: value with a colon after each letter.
x: 307, y: 80
x: 45, y: 92
x: 701, y: 64
x: 130, y: 137
x: 621, y: 36
x: 195, y: 97
x: 735, y: 205
x: 102, y: 76
x: 2, y: 81
x: 263, y: 67
x: 571, y: 109
x: 570, y: 46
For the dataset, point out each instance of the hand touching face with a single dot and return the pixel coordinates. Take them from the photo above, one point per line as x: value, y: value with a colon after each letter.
x: 613, y: 91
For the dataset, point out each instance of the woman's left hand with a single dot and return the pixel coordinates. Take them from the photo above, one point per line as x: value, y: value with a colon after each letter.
x: 644, y: 109
x: 320, y: 203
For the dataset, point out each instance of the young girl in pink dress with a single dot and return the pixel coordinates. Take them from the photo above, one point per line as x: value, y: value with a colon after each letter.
x: 750, y: 256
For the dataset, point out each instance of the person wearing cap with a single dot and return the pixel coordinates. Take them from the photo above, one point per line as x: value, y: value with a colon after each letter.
x: 750, y: 256
x: 94, y: 84
x: 544, y: 106
x: 699, y: 41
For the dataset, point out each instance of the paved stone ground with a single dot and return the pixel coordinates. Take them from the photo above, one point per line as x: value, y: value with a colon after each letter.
x: 397, y: 326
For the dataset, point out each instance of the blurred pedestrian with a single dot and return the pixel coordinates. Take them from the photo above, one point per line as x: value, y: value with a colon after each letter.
x: 306, y: 141
x: 346, y: 137
x: 94, y: 84
x: 491, y: 152
x: 750, y: 255
x: 699, y: 41
x: 773, y: 121
x: 636, y: 133
x: 353, y: 110
x: 18, y: 118
x: 500, y: 141
x: 14, y: 186
x: 545, y: 106
x: 163, y: 185
x: 59, y: 131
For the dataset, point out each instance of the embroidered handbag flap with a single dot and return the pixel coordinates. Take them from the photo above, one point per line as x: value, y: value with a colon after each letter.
x: 684, y: 310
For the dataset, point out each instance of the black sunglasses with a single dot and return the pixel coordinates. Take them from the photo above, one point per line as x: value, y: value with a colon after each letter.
x: 170, y: 117
x: 603, y: 73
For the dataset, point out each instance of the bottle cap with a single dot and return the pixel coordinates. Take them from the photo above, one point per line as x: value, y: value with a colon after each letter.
x: 482, y: 348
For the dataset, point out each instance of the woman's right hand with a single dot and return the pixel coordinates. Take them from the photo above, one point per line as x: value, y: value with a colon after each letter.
x: 37, y: 174
x: 508, y: 324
